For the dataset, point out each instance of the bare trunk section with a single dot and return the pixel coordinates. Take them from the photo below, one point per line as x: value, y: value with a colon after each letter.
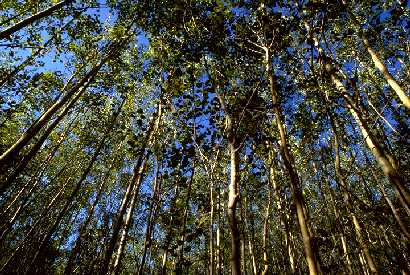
x: 265, y: 235
x: 211, y: 229
x: 233, y: 192
x: 127, y: 223
x: 298, y: 200
x: 233, y: 197
x: 389, y: 78
x: 219, y: 232
x: 4, y: 34
x: 284, y: 221
x: 121, y: 212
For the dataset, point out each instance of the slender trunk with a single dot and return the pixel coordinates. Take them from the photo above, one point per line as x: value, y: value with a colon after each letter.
x: 363, y: 263
x: 151, y: 136
x: 211, y: 229
x: 233, y: 194
x: 4, y: 34
x: 180, y: 249
x: 127, y: 224
x: 265, y: 235
x: 348, y: 201
x: 378, y: 62
x: 121, y: 212
x: 164, y: 261
x: 284, y: 221
x: 129, y: 194
x: 307, y: 237
x: 219, y: 264
x: 233, y: 198
x: 243, y: 251
x: 153, y: 204
x: 250, y: 238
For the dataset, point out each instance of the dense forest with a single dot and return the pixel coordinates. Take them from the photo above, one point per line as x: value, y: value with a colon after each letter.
x: 204, y: 137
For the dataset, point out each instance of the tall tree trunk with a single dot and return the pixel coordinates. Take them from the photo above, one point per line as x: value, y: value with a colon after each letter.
x: 129, y: 193
x: 211, y: 228
x: 250, y: 238
x: 242, y: 232
x: 233, y: 197
x: 233, y: 194
x: 265, y: 235
x: 348, y: 201
x: 284, y: 221
x: 310, y: 253
x: 180, y: 249
x: 127, y: 223
x: 150, y: 222
x: 30, y: 20
x: 121, y: 212
x: 219, y: 232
